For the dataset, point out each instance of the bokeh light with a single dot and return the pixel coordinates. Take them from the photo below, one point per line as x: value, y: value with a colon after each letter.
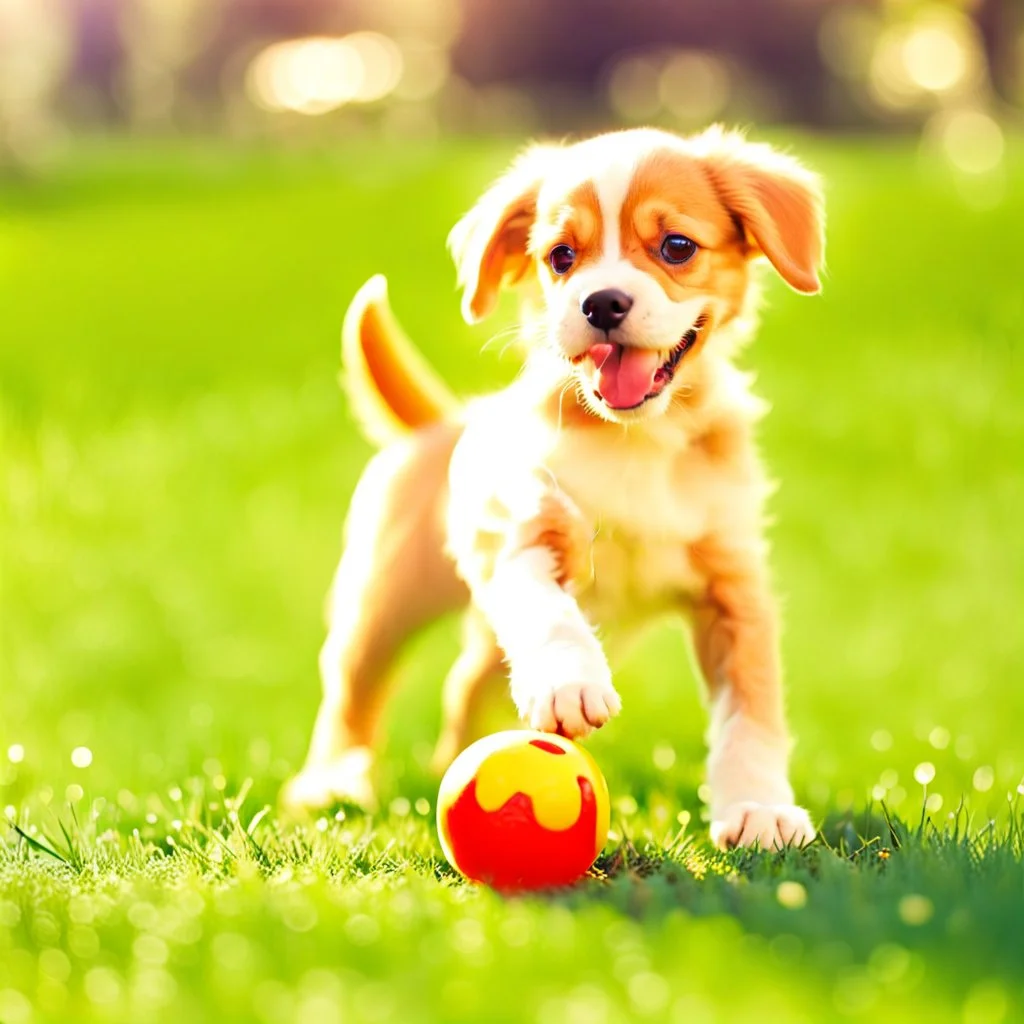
x: 319, y: 74
x: 634, y: 87
x: 938, y: 52
x: 693, y: 85
x: 971, y: 140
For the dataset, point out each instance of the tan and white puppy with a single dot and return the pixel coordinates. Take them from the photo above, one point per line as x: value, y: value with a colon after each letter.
x: 613, y: 482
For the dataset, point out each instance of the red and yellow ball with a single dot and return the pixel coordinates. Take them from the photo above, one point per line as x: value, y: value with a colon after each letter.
x: 523, y: 810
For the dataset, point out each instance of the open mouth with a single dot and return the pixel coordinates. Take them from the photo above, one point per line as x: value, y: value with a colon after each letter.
x: 629, y: 376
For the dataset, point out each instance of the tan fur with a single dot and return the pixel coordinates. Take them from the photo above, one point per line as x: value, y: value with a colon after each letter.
x: 545, y: 512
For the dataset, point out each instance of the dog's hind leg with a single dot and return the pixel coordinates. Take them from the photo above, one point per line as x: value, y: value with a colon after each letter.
x: 393, y: 578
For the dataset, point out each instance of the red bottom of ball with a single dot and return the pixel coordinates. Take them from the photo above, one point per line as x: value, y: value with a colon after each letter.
x: 508, y: 850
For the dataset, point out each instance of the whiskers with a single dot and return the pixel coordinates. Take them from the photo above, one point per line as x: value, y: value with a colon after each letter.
x: 508, y: 336
x: 571, y: 382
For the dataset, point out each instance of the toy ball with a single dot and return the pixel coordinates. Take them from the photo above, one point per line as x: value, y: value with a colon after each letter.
x: 523, y: 810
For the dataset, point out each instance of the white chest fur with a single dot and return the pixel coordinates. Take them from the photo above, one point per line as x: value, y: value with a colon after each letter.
x: 644, y: 510
x: 648, y: 498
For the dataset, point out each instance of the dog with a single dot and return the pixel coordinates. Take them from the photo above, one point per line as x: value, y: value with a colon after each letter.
x: 615, y: 481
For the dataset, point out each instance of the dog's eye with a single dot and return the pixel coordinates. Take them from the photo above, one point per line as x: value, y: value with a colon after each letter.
x: 678, y: 249
x: 561, y: 258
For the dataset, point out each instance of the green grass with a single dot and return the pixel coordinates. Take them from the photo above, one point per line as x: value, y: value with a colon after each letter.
x: 176, y: 465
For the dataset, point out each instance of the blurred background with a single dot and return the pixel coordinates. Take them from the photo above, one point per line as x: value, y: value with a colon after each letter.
x: 192, y: 190
x: 283, y: 71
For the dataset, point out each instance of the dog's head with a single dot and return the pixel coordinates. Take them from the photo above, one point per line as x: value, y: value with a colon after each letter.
x: 641, y: 243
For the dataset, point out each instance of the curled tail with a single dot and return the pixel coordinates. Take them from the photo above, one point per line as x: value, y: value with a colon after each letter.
x: 390, y: 386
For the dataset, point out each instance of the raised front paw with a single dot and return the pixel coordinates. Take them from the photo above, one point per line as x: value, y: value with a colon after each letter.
x: 574, y: 709
x: 771, y: 826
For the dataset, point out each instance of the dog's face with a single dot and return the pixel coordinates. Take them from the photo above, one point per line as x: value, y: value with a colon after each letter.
x: 641, y: 243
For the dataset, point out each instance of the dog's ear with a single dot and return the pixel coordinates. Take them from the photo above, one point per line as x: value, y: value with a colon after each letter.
x: 489, y: 244
x: 777, y: 202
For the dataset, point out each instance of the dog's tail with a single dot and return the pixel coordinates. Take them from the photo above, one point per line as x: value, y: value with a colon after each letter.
x: 391, y: 388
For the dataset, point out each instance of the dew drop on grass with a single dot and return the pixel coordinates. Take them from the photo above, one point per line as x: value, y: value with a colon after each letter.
x: 81, y: 757
x: 924, y: 773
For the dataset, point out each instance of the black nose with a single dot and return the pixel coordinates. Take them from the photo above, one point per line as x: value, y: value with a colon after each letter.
x: 606, y: 309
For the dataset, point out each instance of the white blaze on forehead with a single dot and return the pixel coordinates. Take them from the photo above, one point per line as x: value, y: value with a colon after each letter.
x: 612, y: 186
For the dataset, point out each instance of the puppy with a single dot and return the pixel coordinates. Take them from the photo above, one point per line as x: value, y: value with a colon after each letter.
x: 613, y: 482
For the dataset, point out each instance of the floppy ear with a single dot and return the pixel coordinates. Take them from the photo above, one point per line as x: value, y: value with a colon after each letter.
x: 489, y: 244
x: 777, y: 201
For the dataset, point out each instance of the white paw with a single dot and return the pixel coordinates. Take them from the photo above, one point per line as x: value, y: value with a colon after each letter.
x: 574, y: 709
x: 772, y: 826
x: 344, y: 780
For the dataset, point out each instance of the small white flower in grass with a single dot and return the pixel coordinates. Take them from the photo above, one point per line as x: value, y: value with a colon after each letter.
x: 174, y: 793
x: 322, y: 824
x: 15, y: 753
x: 984, y: 778
x: 81, y: 757
x: 924, y: 773
x: 791, y: 895
x: 11, y: 812
x: 915, y: 909
x: 878, y: 792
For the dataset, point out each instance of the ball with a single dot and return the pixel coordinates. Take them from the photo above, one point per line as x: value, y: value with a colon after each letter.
x: 523, y: 810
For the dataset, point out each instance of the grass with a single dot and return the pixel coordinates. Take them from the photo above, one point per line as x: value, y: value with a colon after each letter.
x: 177, y: 461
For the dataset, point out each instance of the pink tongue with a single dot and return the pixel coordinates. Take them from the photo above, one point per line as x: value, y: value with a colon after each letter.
x: 625, y: 375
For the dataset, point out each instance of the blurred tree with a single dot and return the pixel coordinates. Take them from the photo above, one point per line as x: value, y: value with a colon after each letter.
x: 1001, y: 23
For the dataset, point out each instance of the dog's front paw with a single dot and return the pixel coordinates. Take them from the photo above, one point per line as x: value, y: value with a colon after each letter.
x: 574, y: 709
x: 771, y: 826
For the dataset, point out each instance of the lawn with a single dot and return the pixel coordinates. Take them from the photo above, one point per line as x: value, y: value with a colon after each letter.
x: 176, y: 464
